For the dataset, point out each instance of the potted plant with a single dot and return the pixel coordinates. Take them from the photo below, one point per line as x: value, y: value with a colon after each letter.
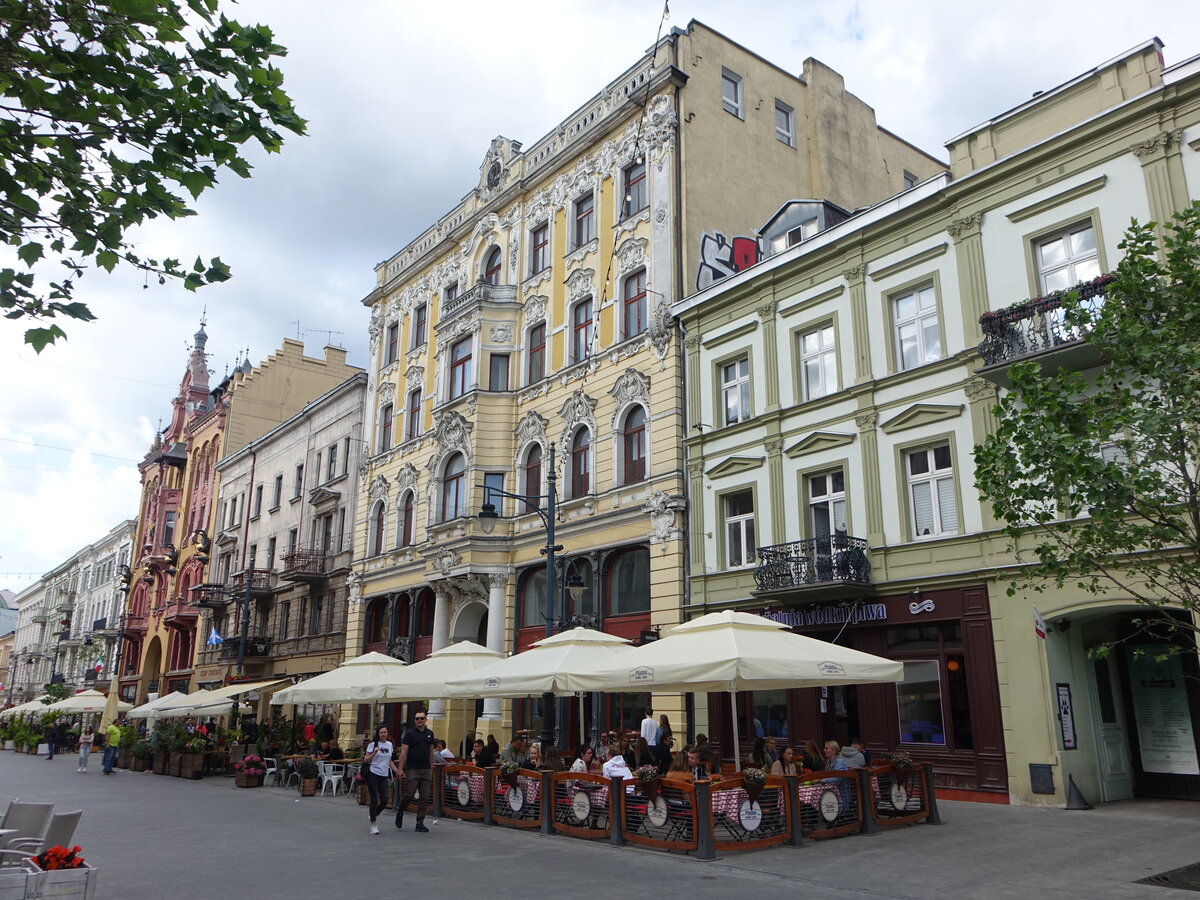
x: 647, y: 778
x: 902, y: 765
x: 125, y: 745
x: 191, y: 760
x: 753, y: 781
x: 56, y: 872
x: 249, y: 771
x: 307, y: 767
x: 142, y: 756
x: 508, y: 773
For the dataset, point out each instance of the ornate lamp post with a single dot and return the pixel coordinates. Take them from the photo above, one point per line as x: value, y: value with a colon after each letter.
x: 488, y: 517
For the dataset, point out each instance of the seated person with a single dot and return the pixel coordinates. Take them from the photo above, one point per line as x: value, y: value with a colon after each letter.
x: 619, y: 765
x: 552, y: 761
x: 853, y: 756
x: 678, y: 770
x: 323, y: 751
x: 482, y: 755
x: 584, y: 758
x: 786, y: 764
x: 335, y: 752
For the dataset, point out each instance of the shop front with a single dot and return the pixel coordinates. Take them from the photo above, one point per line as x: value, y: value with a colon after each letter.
x: 945, y: 712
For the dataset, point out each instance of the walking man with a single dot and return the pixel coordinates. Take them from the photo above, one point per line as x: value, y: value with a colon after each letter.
x: 416, y: 757
x: 111, y: 743
x: 650, y: 729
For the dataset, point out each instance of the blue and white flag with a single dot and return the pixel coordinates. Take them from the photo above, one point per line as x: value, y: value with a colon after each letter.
x: 214, y: 638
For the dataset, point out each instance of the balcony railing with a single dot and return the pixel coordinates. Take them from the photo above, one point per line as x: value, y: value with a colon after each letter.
x: 210, y: 595
x: 481, y: 291
x: 305, y: 564
x: 255, y: 647
x: 1039, y: 325
x: 835, y: 559
x: 262, y: 581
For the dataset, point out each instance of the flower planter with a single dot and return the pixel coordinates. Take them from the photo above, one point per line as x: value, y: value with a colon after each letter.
x: 122, y: 758
x: 191, y: 765
x: 8, y: 745
x: 308, y: 787
x: 159, y: 765
x: 752, y: 789
x: 242, y: 780
x: 900, y: 776
x: 649, y: 788
x: 29, y: 881
x: 509, y: 778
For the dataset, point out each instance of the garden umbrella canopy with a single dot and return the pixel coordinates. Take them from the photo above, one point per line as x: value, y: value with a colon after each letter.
x: 87, y: 702
x: 146, y: 710
x: 428, y: 677
x: 232, y: 690
x: 359, y: 680
x: 187, y: 704
x: 552, y: 665
x: 25, y: 709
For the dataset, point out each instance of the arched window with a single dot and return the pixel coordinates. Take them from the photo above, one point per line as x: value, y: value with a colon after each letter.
x: 537, y: 353
x: 491, y: 268
x: 531, y: 597
x: 633, y: 446
x: 581, y: 330
x: 406, y: 520
x: 628, y: 582
x: 581, y: 463
x: 377, y: 526
x: 453, y: 488
x: 633, y: 307
x: 425, y: 604
x: 377, y: 621
x: 533, y: 473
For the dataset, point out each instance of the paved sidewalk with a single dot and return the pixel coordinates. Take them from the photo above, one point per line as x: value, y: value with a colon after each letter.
x: 158, y: 837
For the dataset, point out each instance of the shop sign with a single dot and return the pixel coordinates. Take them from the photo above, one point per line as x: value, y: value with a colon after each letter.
x: 581, y: 806
x: 656, y: 812
x: 1066, y: 717
x: 1160, y: 707
x: 464, y: 792
x: 835, y: 614
x: 750, y: 815
x: 830, y: 805
x: 516, y: 799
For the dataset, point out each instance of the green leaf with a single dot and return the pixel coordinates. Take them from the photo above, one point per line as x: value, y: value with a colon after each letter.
x: 40, y: 338
x: 30, y: 253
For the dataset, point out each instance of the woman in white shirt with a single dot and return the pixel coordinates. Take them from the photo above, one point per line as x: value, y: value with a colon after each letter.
x: 617, y: 766
x: 85, y: 747
x: 377, y: 760
x: 583, y: 760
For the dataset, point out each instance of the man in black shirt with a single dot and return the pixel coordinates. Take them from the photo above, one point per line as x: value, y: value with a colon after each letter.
x: 416, y: 756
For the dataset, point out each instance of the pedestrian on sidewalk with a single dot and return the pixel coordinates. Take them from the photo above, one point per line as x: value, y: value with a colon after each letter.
x: 378, y: 760
x: 416, y: 756
x: 111, y: 743
x: 85, y: 747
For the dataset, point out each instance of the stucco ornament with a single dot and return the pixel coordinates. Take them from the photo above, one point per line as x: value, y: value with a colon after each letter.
x: 406, y: 479
x: 414, y: 376
x: 500, y: 334
x: 530, y: 430
x: 630, y: 387
x: 451, y: 431
x: 663, y: 509
x: 580, y: 409
x: 659, y: 328
x: 379, y: 489
x: 580, y: 284
x: 353, y: 588
x: 375, y: 328
x: 444, y: 559
x: 631, y: 255
x: 387, y: 391
x: 535, y: 310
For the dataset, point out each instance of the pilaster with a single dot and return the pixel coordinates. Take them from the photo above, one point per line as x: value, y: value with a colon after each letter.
x: 856, y: 278
x: 972, y: 277
x: 1162, y: 168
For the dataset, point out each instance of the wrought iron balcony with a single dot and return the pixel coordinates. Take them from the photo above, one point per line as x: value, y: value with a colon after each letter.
x: 305, y: 565
x: 835, y: 560
x: 210, y: 595
x: 1038, y: 326
x: 262, y: 581
x: 257, y: 647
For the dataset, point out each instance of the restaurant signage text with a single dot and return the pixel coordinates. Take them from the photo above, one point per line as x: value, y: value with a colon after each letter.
x: 839, y: 614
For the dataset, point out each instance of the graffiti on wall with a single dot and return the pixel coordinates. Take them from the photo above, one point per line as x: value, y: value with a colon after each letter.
x: 721, y: 256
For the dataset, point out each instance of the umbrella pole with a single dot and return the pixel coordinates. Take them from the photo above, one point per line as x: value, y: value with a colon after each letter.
x: 737, y: 747
x: 579, y: 699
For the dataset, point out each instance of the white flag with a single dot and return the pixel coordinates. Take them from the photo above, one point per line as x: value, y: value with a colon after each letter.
x: 1039, y: 626
x: 213, y: 637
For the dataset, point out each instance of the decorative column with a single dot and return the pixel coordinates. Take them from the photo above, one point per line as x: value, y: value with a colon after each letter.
x: 779, y: 492
x: 856, y: 277
x: 497, y: 583
x: 982, y: 395
x: 441, y: 636
x: 766, y: 315
x: 967, y: 234
x: 1162, y: 168
x: 869, y: 443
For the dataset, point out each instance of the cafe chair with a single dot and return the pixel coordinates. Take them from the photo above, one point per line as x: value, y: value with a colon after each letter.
x: 58, y: 834
x: 23, y: 821
x: 332, y: 773
x: 272, y: 768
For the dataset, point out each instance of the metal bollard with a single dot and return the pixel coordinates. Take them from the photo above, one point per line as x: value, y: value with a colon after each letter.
x: 934, y: 818
x: 616, y: 812
x: 489, y: 790
x: 704, y: 825
x: 438, y: 781
x: 866, y: 802
x: 547, y: 779
x: 792, y: 786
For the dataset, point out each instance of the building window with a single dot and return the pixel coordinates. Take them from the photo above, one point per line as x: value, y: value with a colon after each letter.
x: 910, y: 180
x: 585, y: 219
x: 498, y: 372
x: 412, y: 423
x: 492, y: 483
x: 420, y: 315
x: 636, y: 196
x: 918, y: 338
x: 272, y: 546
x: 461, y: 374
x: 537, y: 353
x: 731, y: 93
x: 385, y: 428
x: 453, y: 488
x: 293, y: 537
x: 634, y: 306
x: 581, y: 330
x: 931, y: 491
x: 539, y: 242
x: 818, y: 362
x: 325, y: 529
x: 1067, y: 258
x: 406, y: 520
x: 531, y: 593
x: 393, y: 344
x: 298, y: 488
x: 581, y: 463
x: 378, y: 525
x: 258, y: 495
x: 449, y: 294
x: 628, y: 586
x: 739, y: 529
x: 633, y: 441
x: 331, y: 463
x: 533, y: 473
x: 827, y: 503
x: 785, y: 124
x: 735, y: 390
x: 317, y: 605
x: 491, y: 266
x: 284, y: 615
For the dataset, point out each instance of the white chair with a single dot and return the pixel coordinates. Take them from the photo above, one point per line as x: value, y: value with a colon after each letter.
x: 22, y: 821
x: 272, y: 768
x: 57, y: 834
x: 292, y: 772
x: 331, y: 773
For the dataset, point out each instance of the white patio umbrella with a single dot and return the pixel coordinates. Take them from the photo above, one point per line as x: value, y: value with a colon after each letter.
x: 90, y: 701
x: 736, y: 651
x: 551, y: 666
x: 428, y: 677
x: 359, y: 680
x: 24, y: 709
x: 150, y: 709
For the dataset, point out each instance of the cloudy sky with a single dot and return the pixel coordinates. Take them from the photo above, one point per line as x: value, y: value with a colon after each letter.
x: 402, y: 99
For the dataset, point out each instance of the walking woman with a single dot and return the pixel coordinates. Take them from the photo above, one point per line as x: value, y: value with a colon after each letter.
x: 85, y: 747
x: 377, y: 759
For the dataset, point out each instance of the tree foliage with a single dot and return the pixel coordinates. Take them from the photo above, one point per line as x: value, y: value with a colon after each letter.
x: 109, y: 111
x: 1095, y: 472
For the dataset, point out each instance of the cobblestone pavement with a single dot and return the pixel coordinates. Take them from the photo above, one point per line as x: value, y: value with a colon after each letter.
x: 158, y: 837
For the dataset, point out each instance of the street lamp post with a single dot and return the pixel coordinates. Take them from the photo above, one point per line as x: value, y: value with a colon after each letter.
x: 487, y: 521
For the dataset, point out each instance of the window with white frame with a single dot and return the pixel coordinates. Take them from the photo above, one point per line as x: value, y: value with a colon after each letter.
x: 826, y: 503
x: 918, y: 336
x: 581, y: 463
x: 493, y: 483
x: 633, y: 306
x: 419, y: 319
x: 533, y: 474
x: 405, y: 525
x: 539, y: 248
x: 385, y: 428
x: 739, y: 529
x: 1067, y: 258
x: 536, y: 354
x: 449, y: 294
x: 932, y: 502
x: 735, y: 390
x: 412, y: 415
x: 785, y: 123
x: 584, y: 225
x: 731, y: 93
x: 331, y: 462
x: 636, y: 196
x: 818, y: 362
x: 461, y: 370
x: 454, y: 495
x: 492, y: 266
x: 581, y: 330
x: 393, y: 344
x: 378, y: 527
x: 633, y: 446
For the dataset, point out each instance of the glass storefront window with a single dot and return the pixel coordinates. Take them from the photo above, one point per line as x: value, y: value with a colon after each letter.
x: 770, y: 714
x: 919, y: 702
x: 626, y: 711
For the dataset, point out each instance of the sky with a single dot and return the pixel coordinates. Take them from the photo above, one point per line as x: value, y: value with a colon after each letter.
x: 402, y: 101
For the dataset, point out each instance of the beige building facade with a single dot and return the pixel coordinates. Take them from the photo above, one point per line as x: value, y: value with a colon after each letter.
x: 835, y: 393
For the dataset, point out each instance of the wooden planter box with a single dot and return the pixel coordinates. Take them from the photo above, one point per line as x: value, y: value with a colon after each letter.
x: 122, y: 758
x: 175, y: 764
x: 159, y: 764
x: 308, y: 787
x: 247, y: 781
x: 28, y: 881
x: 364, y: 796
x: 191, y: 765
